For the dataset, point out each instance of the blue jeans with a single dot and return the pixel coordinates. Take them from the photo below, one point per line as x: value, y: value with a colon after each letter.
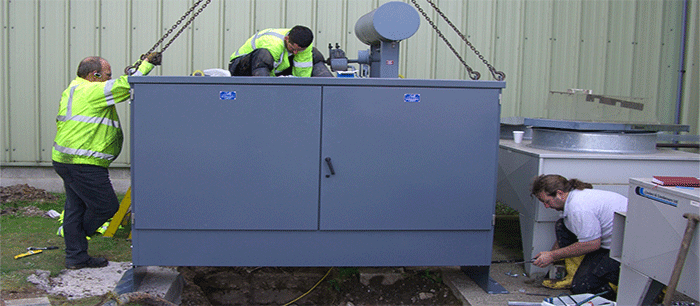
x: 90, y: 202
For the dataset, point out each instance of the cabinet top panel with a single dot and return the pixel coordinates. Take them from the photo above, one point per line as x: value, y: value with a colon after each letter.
x: 380, y: 82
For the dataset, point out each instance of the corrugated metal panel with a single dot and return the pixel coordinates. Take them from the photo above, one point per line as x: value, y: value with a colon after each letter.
x: 22, y: 67
x: 4, y: 82
x: 626, y: 48
x: 691, y: 90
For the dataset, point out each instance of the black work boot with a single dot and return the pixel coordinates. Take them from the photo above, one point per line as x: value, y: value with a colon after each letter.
x: 92, y: 262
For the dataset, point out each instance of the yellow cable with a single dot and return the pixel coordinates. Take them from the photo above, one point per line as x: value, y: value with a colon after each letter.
x: 312, y: 288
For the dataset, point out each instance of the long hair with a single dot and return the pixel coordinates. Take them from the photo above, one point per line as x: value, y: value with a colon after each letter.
x: 550, y: 183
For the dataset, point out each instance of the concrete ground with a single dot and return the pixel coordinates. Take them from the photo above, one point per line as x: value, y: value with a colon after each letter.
x: 520, y: 288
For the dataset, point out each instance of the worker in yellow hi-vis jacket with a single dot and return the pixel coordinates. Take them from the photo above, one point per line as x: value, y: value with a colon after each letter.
x: 275, y: 52
x: 88, y: 138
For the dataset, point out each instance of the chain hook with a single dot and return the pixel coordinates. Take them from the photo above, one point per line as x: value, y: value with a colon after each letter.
x: 132, y: 69
x: 498, y: 75
x: 474, y: 75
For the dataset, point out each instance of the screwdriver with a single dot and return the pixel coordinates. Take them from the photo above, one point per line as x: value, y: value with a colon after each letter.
x: 28, y: 253
x: 46, y: 248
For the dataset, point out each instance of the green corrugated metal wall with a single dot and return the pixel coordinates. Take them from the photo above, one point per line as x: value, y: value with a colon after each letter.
x: 614, y: 47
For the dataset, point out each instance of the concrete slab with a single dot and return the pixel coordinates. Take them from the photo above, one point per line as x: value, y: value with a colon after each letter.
x: 41, y: 301
x: 521, y: 288
x: 47, y: 179
x: 162, y: 282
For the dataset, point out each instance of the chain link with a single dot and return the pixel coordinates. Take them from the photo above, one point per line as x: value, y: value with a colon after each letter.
x: 131, y: 69
x: 498, y: 75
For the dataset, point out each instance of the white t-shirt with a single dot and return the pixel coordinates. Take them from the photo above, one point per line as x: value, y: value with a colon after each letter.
x: 589, y: 214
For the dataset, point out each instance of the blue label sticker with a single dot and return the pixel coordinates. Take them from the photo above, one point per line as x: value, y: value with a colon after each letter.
x: 656, y: 196
x: 411, y: 98
x: 227, y: 95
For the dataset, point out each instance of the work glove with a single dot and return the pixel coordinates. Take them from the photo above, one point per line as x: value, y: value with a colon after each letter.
x: 154, y: 58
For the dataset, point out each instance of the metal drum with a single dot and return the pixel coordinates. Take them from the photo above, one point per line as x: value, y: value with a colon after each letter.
x: 593, y: 141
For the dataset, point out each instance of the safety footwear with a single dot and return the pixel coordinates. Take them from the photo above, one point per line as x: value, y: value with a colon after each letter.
x: 93, y: 262
x: 571, y: 265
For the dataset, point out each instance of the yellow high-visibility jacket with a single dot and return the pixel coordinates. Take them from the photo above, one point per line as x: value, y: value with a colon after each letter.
x: 88, y: 130
x: 273, y: 41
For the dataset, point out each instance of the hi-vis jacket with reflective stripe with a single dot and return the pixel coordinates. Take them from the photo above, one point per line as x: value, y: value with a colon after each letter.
x: 88, y: 130
x: 273, y: 41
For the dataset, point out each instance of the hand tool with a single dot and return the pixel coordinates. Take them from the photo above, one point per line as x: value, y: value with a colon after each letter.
x: 46, y: 248
x: 28, y: 253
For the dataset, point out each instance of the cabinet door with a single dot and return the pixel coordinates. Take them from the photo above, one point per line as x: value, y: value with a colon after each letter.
x: 204, y: 160
x: 409, y: 158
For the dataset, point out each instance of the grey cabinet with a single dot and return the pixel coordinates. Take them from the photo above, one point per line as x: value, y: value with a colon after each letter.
x: 233, y: 171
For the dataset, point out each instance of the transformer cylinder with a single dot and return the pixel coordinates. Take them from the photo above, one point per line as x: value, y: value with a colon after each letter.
x: 393, y: 21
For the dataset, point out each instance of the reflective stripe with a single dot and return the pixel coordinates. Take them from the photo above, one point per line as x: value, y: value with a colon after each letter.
x: 303, y: 64
x: 252, y: 41
x: 277, y: 63
x: 109, y: 98
x: 82, y: 152
x: 86, y: 119
x: 69, y: 105
x: 258, y: 35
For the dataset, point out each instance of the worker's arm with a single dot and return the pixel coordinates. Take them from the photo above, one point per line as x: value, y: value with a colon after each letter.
x: 546, y: 258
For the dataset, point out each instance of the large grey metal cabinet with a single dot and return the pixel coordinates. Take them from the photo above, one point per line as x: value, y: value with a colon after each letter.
x: 313, y: 172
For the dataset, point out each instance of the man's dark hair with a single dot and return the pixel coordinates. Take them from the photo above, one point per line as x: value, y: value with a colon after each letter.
x: 550, y: 183
x: 301, y: 36
x: 89, y: 64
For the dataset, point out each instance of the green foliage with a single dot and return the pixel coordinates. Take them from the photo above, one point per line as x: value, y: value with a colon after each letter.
x: 435, y: 277
x: 341, y: 275
x: 504, y: 210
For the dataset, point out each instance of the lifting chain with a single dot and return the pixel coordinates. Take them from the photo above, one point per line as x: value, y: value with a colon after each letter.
x: 474, y: 75
x: 131, y: 69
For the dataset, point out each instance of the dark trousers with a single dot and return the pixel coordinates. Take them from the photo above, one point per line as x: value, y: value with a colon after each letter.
x: 90, y: 202
x: 260, y: 63
x: 597, y: 269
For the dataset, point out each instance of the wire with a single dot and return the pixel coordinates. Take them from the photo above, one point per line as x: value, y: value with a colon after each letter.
x: 592, y: 297
x: 312, y: 288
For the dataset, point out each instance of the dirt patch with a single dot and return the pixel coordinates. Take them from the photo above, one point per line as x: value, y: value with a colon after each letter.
x: 24, y: 192
x: 279, y: 286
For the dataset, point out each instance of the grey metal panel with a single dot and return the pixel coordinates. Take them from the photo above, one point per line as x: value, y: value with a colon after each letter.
x: 651, y: 253
x: 351, y: 82
x: 312, y: 248
x: 4, y: 85
x: 23, y: 131
x: 52, y: 57
x: 536, y: 49
x: 271, y: 216
x: 403, y: 165
x: 201, y: 162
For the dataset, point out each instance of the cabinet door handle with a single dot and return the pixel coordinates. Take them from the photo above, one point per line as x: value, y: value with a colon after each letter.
x: 330, y: 166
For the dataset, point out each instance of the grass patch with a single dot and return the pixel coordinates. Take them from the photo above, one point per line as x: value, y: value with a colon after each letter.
x: 20, y: 231
x: 505, y: 210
